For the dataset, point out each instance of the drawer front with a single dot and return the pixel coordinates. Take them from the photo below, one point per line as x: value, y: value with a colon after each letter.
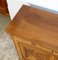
x: 44, y: 46
x: 32, y: 51
x: 32, y: 54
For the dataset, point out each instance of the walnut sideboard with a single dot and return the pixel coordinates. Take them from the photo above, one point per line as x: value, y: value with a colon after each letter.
x: 35, y: 34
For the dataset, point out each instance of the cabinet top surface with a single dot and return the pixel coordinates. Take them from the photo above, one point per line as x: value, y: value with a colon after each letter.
x: 35, y: 24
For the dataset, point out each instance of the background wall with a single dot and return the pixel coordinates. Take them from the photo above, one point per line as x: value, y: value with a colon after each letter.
x: 15, y: 5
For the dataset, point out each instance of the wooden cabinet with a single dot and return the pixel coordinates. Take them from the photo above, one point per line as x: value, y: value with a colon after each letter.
x: 35, y: 34
x: 3, y: 7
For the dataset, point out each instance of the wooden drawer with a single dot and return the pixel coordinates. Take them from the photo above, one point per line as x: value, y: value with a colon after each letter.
x: 29, y: 51
x: 32, y: 54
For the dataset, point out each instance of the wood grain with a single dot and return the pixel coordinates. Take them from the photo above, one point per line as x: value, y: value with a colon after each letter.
x: 35, y: 24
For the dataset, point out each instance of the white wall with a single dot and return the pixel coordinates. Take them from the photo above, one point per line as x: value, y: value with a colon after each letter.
x: 15, y: 5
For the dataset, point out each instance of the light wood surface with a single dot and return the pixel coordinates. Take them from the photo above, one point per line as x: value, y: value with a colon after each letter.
x: 36, y: 25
